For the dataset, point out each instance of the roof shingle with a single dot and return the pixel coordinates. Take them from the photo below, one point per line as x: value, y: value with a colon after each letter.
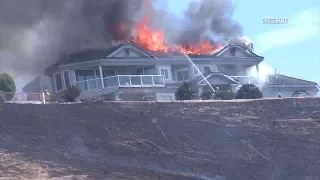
x: 278, y: 79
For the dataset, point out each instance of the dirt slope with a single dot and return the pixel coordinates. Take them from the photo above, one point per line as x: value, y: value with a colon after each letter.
x: 265, y: 139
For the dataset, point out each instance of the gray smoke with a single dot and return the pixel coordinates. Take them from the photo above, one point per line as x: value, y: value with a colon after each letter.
x: 33, y: 33
x: 210, y: 18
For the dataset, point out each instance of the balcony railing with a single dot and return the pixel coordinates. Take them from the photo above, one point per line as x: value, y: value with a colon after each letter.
x: 122, y: 81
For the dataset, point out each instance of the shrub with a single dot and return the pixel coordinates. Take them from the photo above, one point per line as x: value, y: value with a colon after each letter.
x: 249, y: 91
x: 71, y: 94
x: 206, y: 95
x: 186, y: 91
x: 7, y: 85
x: 227, y: 95
x: 206, y: 92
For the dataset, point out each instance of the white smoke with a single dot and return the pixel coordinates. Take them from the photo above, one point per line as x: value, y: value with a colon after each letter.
x: 264, y: 69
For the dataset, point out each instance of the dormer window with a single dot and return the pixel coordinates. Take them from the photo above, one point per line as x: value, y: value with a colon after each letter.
x: 233, y: 51
x: 127, y: 51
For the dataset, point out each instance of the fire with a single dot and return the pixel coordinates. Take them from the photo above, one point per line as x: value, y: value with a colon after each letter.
x: 202, y: 48
x: 153, y: 40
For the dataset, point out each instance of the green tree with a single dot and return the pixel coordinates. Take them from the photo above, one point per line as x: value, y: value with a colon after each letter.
x: 186, y: 91
x: 249, y: 91
x: 7, y: 85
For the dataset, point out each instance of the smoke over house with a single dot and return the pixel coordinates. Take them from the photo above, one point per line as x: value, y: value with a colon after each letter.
x: 36, y: 32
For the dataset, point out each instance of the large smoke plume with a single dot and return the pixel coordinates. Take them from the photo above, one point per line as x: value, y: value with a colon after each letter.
x: 210, y: 18
x: 33, y: 33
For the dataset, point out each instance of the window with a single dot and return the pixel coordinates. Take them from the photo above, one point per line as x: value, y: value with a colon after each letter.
x: 196, y: 69
x: 58, y: 82
x: 207, y: 69
x: 62, y: 80
x: 66, y: 79
x: 150, y: 70
x: 82, y: 75
x: 165, y: 97
x: 106, y: 73
x: 165, y: 72
x: 183, y: 75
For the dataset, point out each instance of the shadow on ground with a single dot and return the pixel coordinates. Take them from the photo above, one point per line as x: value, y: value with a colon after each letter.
x: 265, y: 139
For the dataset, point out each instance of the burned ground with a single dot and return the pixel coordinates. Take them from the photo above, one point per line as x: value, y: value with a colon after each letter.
x: 262, y: 139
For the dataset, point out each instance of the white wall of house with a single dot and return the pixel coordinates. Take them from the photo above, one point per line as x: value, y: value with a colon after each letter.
x: 272, y: 92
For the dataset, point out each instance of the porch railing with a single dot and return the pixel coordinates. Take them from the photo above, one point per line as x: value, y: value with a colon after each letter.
x: 122, y: 81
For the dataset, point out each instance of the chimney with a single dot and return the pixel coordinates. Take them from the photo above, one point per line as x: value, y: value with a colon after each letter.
x: 275, y: 73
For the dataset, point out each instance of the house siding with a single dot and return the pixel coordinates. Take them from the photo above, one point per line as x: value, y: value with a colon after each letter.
x: 273, y: 92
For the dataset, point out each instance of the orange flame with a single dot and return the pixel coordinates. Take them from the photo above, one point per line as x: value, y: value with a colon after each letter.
x: 154, y: 40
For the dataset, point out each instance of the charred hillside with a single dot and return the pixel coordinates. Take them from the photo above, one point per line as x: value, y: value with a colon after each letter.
x: 263, y: 139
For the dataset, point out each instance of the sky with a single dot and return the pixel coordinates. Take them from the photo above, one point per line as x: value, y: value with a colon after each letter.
x: 292, y: 49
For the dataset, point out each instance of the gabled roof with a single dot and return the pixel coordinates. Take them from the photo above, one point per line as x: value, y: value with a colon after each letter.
x: 212, y: 77
x: 237, y: 47
x: 278, y: 79
x: 88, y: 55
x: 96, y: 54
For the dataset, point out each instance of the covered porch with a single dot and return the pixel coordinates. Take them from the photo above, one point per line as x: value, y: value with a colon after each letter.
x: 101, y: 77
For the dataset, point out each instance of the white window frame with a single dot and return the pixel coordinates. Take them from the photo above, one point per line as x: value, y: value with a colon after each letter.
x: 196, y: 69
x: 201, y: 68
x: 205, y: 67
x: 103, y: 69
x: 63, y: 80
x: 181, y: 70
x: 167, y: 68
x: 166, y: 94
x: 143, y: 69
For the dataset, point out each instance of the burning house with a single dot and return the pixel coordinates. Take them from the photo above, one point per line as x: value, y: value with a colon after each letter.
x: 141, y: 65
x: 128, y: 72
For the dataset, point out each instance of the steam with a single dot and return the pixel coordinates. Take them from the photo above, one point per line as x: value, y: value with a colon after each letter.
x: 264, y: 69
x: 264, y: 72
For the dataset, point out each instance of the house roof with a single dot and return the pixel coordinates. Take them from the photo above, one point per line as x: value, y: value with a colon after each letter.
x: 95, y: 54
x: 278, y: 79
x: 98, y: 54
x: 212, y: 76
x: 227, y: 47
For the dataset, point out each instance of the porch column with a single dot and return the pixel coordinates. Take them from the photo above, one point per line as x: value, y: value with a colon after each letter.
x: 101, y: 77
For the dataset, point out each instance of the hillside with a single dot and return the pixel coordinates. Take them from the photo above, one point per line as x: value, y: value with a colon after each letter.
x: 262, y: 139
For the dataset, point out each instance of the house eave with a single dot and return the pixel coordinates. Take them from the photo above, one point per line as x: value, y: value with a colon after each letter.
x: 167, y: 60
x: 293, y: 85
